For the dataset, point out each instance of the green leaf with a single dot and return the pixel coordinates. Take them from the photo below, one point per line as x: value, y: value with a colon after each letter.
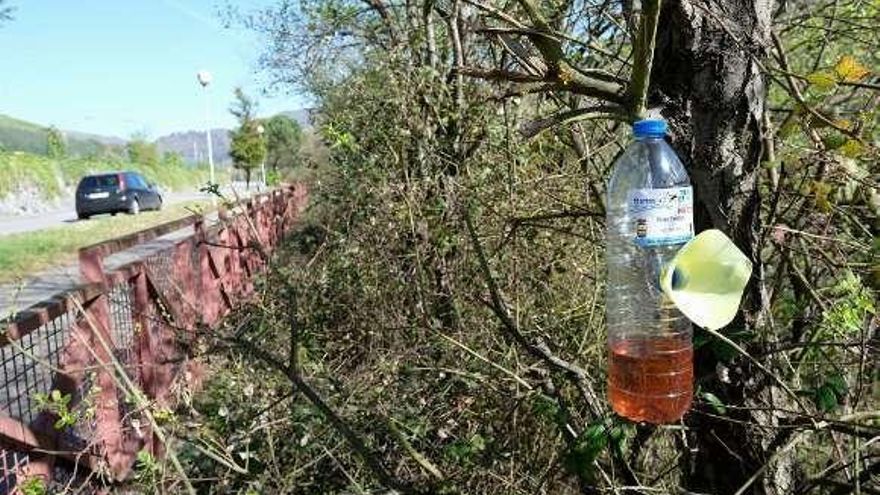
x: 851, y: 148
x: 838, y: 385
x: 587, y: 448
x: 822, y: 80
x: 462, y: 451
x: 715, y: 402
x: 822, y: 195
x: 544, y: 406
x: 478, y: 443
x: 788, y: 128
x: 723, y: 351
x: 701, y: 338
x: 617, y: 434
x: 831, y: 393
x: 825, y: 399
x: 33, y: 486
x: 834, y: 141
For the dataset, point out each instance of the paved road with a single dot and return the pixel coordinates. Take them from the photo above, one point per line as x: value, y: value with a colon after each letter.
x: 44, y: 285
x: 67, y: 215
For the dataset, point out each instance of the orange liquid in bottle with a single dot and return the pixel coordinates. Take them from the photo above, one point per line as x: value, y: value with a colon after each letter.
x: 651, y: 379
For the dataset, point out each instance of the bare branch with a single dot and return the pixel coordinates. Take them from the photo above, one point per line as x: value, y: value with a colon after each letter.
x: 354, y: 440
x: 588, y: 87
x: 799, y: 97
x: 538, y: 349
x: 559, y: 69
x: 533, y: 128
x: 498, y: 75
x: 497, y: 13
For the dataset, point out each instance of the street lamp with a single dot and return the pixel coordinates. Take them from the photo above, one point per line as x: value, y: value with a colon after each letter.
x: 205, y: 79
x: 260, y: 131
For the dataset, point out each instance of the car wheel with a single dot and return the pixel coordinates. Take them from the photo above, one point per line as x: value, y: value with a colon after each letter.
x: 82, y: 216
x: 159, y: 204
x: 134, y: 208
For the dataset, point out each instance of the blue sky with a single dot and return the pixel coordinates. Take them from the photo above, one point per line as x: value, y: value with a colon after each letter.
x: 120, y: 67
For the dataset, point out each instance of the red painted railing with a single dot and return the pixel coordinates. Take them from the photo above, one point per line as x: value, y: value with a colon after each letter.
x: 137, y: 315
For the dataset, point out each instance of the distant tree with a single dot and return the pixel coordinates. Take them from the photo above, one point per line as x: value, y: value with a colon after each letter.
x: 247, y: 146
x: 5, y: 11
x: 56, y: 145
x: 172, y: 159
x: 313, y: 152
x: 283, y: 140
x: 142, y: 151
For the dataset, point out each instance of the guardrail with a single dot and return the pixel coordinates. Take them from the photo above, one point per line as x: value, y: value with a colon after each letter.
x: 59, y: 398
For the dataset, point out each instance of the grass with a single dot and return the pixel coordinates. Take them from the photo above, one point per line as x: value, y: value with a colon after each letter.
x: 30, y: 252
x: 51, y: 175
x: 20, y: 135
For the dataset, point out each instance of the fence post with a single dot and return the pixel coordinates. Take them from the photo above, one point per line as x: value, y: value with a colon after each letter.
x: 141, y: 314
x: 227, y: 258
x: 261, y: 222
x: 235, y: 245
x: 246, y: 240
x: 209, y: 299
x: 265, y: 231
x: 91, y: 265
x: 269, y: 220
x: 97, y: 314
x: 276, y: 217
x: 276, y: 238
x: 184, y: 277
x: 145, y: 350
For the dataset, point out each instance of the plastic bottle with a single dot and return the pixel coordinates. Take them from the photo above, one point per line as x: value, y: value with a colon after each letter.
x: 649, y: 217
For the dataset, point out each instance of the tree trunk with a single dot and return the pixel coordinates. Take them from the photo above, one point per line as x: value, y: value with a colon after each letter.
x: 707, y: 83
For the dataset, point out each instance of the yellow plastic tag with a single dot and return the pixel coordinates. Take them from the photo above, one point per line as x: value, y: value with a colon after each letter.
x: 706, y: 279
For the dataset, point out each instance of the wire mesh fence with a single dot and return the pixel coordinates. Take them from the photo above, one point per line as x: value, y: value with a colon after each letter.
x: 138, y: 317
x: 14, y: 462
x: 123, y: 325
x: 26, y: 368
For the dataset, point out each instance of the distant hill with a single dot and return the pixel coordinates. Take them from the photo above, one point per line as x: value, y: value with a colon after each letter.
x: 19, y: 135
x: 303, y: 116
x: 97, y: 138
x: 193, y: 148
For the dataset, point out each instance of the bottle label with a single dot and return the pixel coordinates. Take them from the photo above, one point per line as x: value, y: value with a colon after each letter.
x: 662, y: 216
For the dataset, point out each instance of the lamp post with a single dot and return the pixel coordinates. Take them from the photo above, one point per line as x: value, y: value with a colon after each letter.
x: 260, y: 131
x: 205, y: 79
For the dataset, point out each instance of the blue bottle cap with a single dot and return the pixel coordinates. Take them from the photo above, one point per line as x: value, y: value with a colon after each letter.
x: 649, y: 128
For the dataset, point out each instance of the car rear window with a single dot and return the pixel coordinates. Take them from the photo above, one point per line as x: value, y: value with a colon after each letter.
x: 94, y: 181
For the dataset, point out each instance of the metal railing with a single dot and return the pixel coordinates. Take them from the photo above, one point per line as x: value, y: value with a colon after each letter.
x: 136, y: 315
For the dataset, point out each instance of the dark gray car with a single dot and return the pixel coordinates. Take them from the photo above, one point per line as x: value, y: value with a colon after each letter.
x: 115, y: 192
